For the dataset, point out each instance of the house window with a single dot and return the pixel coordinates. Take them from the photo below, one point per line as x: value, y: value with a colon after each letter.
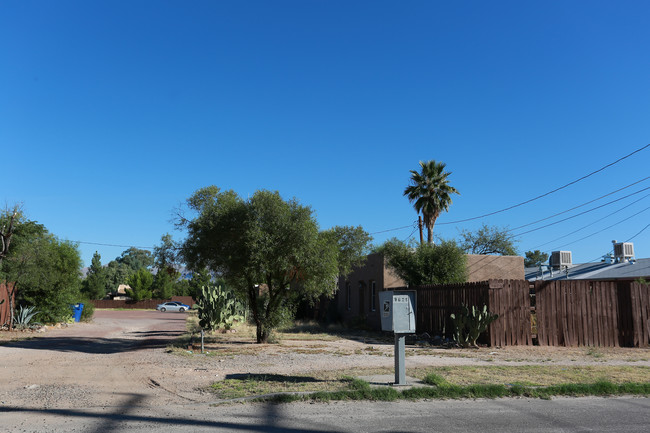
x: 348, y: 294
x: 373, y: 296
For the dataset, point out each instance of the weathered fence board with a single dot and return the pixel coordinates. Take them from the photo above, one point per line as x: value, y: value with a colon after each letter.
x: 568, y: 312
x: 592, y: 313
x: 5, y: 314
x: 510, y: 299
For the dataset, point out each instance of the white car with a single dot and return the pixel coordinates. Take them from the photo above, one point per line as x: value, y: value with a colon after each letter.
x: 173, y: 306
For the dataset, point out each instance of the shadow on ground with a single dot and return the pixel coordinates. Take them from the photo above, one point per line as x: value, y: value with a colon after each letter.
x: 146, y: 340
x: 273, y: 378
x: 269, y: 419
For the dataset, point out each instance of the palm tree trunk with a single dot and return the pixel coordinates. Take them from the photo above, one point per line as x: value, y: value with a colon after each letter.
x: 430, y: 233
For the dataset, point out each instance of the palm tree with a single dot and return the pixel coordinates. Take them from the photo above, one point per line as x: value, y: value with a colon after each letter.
x: 430, y: 193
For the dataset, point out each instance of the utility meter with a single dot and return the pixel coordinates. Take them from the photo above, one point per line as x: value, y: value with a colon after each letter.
x: 398, y: 311
x: 398, y: 315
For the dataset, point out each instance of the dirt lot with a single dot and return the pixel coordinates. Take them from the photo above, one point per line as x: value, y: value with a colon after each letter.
x: 122, y: 359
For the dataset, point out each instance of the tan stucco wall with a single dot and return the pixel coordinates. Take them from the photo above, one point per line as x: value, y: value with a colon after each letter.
x: 479, y: 268
x: 484, y: 267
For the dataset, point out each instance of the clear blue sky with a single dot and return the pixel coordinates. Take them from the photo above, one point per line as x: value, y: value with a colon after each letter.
x: 113, y: 112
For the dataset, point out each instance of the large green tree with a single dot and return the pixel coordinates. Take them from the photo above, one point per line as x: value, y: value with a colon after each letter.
x: 131, y: 260
x: 267, y: 249
x: 444, y: 263
x: 141, y: 283
x: 430, y: 193
x: 535, y: 258
x: 166, y: 281
x: 116, y: 273
x: 488, y: 240
x: 352, y: 246
x: 44, y: 270
x: 136, y: 258
x: 8, y: 220
x: 95, y: 284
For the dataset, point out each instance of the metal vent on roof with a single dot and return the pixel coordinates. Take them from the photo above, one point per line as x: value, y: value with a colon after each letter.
x: 623, y: 251
x: 560, y: 259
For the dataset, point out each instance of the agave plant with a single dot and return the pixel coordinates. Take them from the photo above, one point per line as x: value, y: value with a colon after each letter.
x: 24, y: 316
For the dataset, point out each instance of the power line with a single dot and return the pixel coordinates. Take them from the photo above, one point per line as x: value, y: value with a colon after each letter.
x: 392, y: 230
x: 580, y: 205
x: 548, y: 193
x: 113, y: 245
x: 582, y: 213
x: 602, y: 230
x: 611, y: 251
x: 641, y: 231
x: 592, y: 223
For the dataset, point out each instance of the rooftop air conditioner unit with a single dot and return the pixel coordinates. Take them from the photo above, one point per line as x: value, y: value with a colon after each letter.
x: 623, y: 251
x: 560, y: 259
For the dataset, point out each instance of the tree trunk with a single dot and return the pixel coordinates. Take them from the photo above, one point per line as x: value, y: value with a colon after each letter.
x: 262, y: 334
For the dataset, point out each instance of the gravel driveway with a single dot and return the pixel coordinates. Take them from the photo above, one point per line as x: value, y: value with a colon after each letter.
x: 121, y: 357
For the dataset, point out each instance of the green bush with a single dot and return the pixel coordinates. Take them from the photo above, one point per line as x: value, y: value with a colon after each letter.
x: 88, y: 311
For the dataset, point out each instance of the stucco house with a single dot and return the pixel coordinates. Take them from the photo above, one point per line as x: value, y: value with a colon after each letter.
x: 357, y: 299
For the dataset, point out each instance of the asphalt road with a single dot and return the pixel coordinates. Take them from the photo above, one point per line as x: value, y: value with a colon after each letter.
x: 627, y: 415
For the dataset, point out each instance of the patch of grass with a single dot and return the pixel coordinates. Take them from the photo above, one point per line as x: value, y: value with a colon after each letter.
x: 435, y: 380
x: 601, y: 388
x: 535, y: 375
x: 594, y: 352
x: 246, y: 385
x: 337, y: 385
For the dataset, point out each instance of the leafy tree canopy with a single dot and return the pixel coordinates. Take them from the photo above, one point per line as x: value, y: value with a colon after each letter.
x: 488, y: 240
x: 136, y: 259
x: 535, y: 258
x: 96, y: 282
x: 269, y: 250
x: 352, y: 246
x: 116, y: 273
x: 140, y: 283
x: 444, y: 263
x: 44, y: 269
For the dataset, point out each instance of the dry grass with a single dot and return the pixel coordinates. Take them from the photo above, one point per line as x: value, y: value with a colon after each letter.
x: 537, y: 375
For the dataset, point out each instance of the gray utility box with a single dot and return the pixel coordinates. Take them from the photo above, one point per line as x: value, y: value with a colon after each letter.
x: 398, y: 311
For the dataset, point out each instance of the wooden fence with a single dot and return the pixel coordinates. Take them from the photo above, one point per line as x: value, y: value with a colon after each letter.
x: 566, y: 312
x: 149, y: 304
x: 436, y: 302
x: 510, y: 299
x: 592, y: 313
x: 5, y: 314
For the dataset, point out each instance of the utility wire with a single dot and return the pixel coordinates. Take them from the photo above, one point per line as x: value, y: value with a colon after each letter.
x: 548, y: 193
x: 611, y: 251
x: 602, y: 230
x: 580, y: 205
x: 641, y: 231
x: 592, y: 223
x: 112, y: 245
x: 392, y: 230
x: 581, y: 213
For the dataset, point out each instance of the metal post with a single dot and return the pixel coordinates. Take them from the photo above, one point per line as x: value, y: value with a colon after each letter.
x: 202, y: 340
x: 400, y: 359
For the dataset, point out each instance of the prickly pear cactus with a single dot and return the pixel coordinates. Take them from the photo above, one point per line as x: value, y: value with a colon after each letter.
x: 218, y: 307
x: 470, y: 323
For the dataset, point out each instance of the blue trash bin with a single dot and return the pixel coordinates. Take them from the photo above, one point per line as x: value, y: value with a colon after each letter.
x: 76, y: 311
